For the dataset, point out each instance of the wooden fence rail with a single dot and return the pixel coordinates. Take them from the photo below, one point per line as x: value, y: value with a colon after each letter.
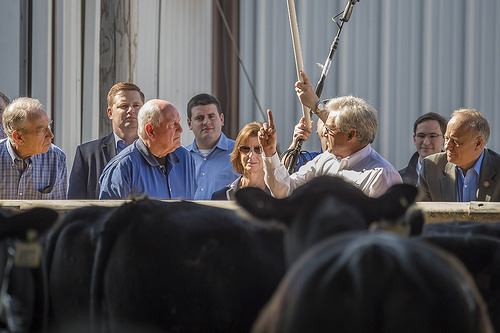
x: 434, y: 211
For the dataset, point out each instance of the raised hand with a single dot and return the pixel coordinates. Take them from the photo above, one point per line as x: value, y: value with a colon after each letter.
x: 305, y: 92
x: 267, y: 136
x: 301, y: 131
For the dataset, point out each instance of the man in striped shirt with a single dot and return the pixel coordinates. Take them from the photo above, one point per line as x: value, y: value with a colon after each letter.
x: 31, y: 166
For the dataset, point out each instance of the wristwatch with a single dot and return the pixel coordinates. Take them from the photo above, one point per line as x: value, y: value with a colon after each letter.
x: 320, y: 106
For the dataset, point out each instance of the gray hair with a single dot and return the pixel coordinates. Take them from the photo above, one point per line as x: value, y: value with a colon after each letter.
x: 150, y: 113
x: 355, y: 114
x: 476, y: 120
x: 19, y: 112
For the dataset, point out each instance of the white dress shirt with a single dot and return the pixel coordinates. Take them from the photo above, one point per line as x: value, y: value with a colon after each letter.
x: 366, y: 169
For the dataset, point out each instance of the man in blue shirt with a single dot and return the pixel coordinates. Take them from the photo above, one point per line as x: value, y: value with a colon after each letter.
x: 155, y: 164
x: 210, y: 149
x: 124, y: 101
x: 32, y: 167
x: 466, y: 171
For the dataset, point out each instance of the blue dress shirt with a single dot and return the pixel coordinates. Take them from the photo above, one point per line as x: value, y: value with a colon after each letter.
x: 135, y: 171
x: 44, y: 176
x: 215, y: 170
x: 467, y: 186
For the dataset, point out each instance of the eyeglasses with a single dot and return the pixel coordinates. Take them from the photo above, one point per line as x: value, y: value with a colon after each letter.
x: 431, y: 136
x: 246, y: 149
x: 41, y: 130
x: 330, y: 131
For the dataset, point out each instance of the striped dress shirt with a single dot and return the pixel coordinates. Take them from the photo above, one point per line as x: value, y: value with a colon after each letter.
x: 42, y: 177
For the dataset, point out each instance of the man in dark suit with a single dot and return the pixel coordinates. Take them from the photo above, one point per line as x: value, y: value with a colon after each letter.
x: 428, y: 137
x: 124, y: 101
x: 466, y: 171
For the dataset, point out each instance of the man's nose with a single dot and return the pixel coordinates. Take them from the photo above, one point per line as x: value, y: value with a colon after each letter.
x: 448, y: 145
x: 50, y: 134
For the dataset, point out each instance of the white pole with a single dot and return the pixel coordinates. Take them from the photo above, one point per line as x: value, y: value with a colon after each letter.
x: 297, y: 51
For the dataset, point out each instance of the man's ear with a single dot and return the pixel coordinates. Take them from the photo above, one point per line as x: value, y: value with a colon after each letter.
x: 110, y: 113
x: 222, y: 119
x: 189, y: 123
x: 351, y: 134
x: 479, y: 142
x: 149, y: 131
x: 18, y: 137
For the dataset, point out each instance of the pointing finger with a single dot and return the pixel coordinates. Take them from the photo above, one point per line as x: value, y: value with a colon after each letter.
x: 271, y: 119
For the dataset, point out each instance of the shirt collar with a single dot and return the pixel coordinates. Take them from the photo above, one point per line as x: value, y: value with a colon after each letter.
x: 476, y: 167
x: 14, y: 156
x: 117, y: 138
x: 150, y: 158
x: 353, y: 159
x: 223, y: 143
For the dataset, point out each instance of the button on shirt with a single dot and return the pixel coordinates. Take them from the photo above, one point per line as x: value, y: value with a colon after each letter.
x: 467, y: 186
x: 42, y: 177
x: 213, y: 171
x: 135, y: 171
x: 365, y: 169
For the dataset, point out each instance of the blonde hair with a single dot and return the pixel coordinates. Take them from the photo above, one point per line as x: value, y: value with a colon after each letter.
x: 249, y: 130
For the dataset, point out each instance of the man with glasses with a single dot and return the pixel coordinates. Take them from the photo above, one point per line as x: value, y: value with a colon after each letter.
x: 124, y: 101
x: 466, y: 171
x: 210, y: 149
x: 350, y: 127
x: 428, y: 137
x: 32, y: 167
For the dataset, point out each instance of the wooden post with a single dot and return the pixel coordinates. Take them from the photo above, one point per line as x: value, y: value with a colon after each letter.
x: 225, y: 66
x: 118, y: 45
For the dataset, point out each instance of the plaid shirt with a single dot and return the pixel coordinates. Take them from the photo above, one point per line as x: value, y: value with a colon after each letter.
x: 43, y: 178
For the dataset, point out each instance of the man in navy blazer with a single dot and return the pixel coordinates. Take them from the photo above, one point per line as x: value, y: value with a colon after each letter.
x: 124, y: 101
x: 466, y: 171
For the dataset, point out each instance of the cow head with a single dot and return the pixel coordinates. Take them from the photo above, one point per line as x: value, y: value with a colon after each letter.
x: 323, y: 207
x: 21, y: 285
x: 375, y: 282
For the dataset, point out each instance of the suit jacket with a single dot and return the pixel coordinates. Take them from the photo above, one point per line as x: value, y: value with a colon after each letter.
x: 90, y: 160
x: 438, y: 179
x: 409, y: 174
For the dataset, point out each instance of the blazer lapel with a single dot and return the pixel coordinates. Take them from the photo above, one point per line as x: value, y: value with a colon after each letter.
x: 448, y: 184
x: 108, y: 148
x: 486, y: 183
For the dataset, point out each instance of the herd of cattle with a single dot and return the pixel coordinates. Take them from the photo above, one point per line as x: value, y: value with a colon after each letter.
x: 325, y: 259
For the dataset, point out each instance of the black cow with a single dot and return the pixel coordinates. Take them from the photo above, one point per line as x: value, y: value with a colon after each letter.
x: 491, y: 229
x: 477, y: 245
x: 161, y: 266
x: 21, y: 291
x: 326, y: 206
x: 375, y: 282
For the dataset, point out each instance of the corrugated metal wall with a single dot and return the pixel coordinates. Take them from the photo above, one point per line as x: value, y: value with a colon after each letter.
x: 404, y: 57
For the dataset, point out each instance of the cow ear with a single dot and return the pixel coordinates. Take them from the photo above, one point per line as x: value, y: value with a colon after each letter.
x: 258, y: 203
x: 396, y: 200
x: 38, y: 218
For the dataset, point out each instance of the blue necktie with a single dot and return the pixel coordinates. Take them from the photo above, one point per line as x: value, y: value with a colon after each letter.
x: 120, y: 146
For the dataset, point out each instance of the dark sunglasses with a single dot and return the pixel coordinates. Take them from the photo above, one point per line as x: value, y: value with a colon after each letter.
x: 246, y: 150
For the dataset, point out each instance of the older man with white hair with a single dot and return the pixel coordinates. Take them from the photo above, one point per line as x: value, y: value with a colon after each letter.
x: 350, y: 126
x: 155, y: 164
x: 32, y: 167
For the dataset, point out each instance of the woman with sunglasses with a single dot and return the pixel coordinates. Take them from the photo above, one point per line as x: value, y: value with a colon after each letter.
x: 246, y: 158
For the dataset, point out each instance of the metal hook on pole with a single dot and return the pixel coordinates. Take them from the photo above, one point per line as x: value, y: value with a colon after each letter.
x: 292, y: 155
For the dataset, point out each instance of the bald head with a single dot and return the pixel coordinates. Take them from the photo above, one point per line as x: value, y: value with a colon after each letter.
x: 159, y: 127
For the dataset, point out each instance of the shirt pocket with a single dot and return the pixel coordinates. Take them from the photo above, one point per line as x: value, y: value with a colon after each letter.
x: 46, y: 192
